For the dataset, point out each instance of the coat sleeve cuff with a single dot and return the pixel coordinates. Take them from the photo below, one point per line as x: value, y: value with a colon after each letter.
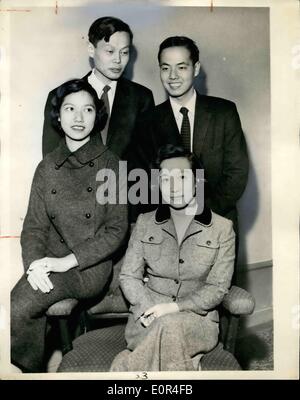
x: 82, y: 256
x: 189, y: 305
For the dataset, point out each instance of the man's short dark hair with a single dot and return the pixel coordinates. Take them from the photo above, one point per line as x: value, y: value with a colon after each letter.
x: 105, y: 27
x: 172, y: 151
x: 74, y: 86
x: 180, y: 41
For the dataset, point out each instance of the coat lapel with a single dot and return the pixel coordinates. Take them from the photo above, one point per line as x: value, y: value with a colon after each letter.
x: 202, y: 119
x: 193, y: 229
x: 170, y: 130
x: 120, y: 113
x: 198, y: 223
x: 168, y: 124
x: 169, y: 228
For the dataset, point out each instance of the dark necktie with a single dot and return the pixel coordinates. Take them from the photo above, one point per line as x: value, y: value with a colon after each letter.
x: 185, y: 131
x: 104, y: 98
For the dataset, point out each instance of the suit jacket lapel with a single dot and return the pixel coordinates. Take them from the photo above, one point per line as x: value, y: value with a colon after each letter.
x: 169, y: 125
x: 202, y: 118
x: 118, y: 120
x: 120, y: 112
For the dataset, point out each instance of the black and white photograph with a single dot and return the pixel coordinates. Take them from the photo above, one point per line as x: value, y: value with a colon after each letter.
x: 149, y: 189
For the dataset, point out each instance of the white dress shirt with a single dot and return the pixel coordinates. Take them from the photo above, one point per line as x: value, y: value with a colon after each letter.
x: 191, y: 106
x: 96, y: 83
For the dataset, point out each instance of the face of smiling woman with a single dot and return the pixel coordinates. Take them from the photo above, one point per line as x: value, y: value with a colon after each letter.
x: 177, y: 182
x: 77, y: 118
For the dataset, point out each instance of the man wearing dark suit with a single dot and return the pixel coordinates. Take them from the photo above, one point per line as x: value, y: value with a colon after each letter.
x: 109, y: 45
x: 208, y: 126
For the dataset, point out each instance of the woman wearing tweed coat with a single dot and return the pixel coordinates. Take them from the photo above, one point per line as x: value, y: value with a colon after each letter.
x: 177, y: 269
x: 68, y: 237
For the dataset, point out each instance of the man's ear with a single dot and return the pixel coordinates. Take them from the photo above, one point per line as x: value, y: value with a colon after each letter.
x: 91, y: 50
x: 197, y: 67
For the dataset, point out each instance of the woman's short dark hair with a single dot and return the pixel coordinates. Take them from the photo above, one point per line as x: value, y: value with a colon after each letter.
x: 172, y: 151
x: 180, y: 41
x: 105, y: 27
x: 74, y: 86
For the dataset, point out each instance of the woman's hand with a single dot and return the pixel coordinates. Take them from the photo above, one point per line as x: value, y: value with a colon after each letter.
x: 62, y: 264
x: 38, y: 277
x: 146, y: 321
x: 158, y: 311
x: 39, y: 271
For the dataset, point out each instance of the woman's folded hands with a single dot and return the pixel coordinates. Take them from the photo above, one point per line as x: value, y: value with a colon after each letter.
x: 39, y: 271
x: 157, y: 311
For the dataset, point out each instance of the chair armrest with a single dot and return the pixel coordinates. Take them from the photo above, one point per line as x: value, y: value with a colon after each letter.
x: 111, y: 303
x: 238, y: 301
x: 62, y: 308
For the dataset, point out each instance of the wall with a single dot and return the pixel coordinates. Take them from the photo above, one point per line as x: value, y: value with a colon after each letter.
x: 47, y: 49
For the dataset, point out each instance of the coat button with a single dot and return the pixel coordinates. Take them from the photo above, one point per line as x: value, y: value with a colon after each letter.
x: 89, y: 189
x: 91, y: 164
x: 176, y: 281
x: 174, y: 298
x: 52, y: 216
x: 62, y: 240
x: 208, y: 242
x: 181, y: 261
x: 56, y: 167
x: 53, y: 191
x: 88, y: 215
x: 151, y: 238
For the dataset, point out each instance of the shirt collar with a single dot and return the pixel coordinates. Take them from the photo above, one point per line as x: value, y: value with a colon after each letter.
x: 98, y: 85
x: 86, y: 153
x: 163, y: 214
x: 190, y: 105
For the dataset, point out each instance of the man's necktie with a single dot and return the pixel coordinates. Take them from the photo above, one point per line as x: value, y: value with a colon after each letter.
x: 104, y: 98
x: 185, y: 131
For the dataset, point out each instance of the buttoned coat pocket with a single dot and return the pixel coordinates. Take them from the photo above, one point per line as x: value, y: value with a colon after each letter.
x: 152, y: 245
x: 206, y: 250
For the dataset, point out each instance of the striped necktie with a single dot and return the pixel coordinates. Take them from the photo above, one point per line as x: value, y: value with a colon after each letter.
x: 104, y: 98
x: 185, y: 131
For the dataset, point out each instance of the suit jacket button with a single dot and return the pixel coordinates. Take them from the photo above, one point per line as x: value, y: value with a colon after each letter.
x: 53, y: 191
x: 181, y: 261
x: 89, y: 189
x: 151, y: 238
x: 176, y: 281
x: 208, y: 242
x: 62, y: 240
x: 52, y: 216
x: 91, y: 164
x: 88, y: 215
x: 174, y: 298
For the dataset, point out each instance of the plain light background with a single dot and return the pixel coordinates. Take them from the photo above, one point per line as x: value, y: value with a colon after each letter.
x: 47, y: 49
